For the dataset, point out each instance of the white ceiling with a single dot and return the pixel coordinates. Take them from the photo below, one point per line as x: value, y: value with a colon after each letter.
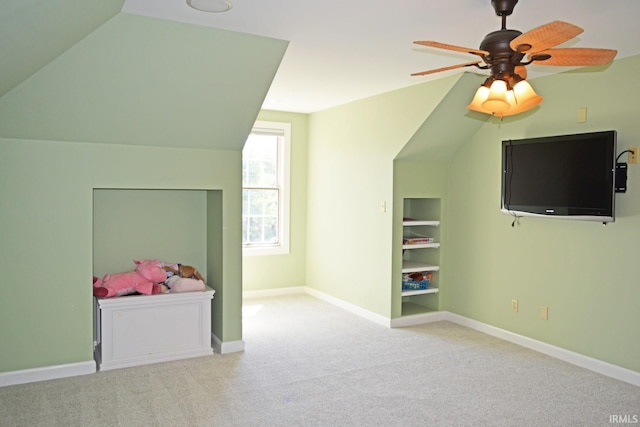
x: 344, y: 50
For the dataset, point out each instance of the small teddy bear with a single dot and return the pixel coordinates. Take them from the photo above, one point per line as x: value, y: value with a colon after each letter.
x: 183, y: 278
x: 183, y: 270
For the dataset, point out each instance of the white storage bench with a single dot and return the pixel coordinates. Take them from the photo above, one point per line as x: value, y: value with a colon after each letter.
x: 141, y: 329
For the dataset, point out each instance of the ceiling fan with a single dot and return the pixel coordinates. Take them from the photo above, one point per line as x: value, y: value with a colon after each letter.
x: 506, y: 53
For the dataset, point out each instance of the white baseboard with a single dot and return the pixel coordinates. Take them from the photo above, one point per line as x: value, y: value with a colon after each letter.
x: 273, y: 292
x: 417, y: 319
x: 226, y: 347
x: 47, y: 373
x: 352, y: 308
x: 595, y: 365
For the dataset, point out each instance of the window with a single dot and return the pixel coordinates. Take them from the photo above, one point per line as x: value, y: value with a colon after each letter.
x: 265, y: 189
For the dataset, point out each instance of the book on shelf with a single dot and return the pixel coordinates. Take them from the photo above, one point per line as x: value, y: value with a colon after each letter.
x: 417, y: 240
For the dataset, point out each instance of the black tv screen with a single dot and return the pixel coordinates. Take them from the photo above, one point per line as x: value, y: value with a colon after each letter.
x: 566, y: 176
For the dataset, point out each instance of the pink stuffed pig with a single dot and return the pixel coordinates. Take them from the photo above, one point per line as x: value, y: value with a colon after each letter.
x: 146, y: 279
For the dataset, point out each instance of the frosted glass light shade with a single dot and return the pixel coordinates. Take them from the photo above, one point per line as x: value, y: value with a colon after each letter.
x: 526, y: 97
x: 481, y: 95
x: 497, y: 100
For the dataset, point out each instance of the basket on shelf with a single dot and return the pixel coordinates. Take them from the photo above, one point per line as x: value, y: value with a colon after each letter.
x: 417, y: 281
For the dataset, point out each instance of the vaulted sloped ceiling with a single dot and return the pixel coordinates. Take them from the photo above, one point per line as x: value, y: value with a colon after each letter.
x: 439, y: 137
x: 147, y: 81
x: 34, y: 32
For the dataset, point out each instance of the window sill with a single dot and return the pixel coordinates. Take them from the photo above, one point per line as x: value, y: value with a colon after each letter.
x: 271, y: 250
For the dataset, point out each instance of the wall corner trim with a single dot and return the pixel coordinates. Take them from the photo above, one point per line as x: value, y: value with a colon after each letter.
x: 221, y: 347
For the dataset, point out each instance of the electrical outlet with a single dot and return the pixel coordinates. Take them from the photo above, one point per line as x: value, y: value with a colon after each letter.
x: 514, y: 305
x: 544, y: 312
x: 633, y: 156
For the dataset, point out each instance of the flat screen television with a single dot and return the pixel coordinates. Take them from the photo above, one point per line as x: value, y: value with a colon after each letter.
x: 565, y: 176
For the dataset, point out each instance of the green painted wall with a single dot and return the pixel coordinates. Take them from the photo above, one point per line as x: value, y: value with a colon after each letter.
x: 583, y: 271
x: 140, y: 103
x: 33, y: 33
x: 434, y: 140
x: 280, y: 271
x: 146, y: 81
x: 143, y: 103
x: 351, y: 153
x: 418, y: 179
x: 46, y: 217
x: 168, y: 225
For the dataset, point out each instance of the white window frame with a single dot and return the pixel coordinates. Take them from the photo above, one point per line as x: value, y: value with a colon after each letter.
x: 284, y: 172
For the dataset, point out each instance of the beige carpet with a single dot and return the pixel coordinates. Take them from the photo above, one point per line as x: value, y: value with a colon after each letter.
x: 308, y: 363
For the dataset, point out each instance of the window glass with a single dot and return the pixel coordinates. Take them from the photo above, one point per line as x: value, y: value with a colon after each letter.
x: 265, y: 192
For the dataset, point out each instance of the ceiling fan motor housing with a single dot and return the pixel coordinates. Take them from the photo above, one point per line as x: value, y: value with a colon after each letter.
x: 503, y: 7
x: 502, y: 58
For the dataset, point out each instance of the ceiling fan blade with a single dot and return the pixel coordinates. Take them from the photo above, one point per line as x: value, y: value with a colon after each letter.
x: 451, y: 67
x: 577, y: 56
x: 521, y: 71
x: 545, y: 37
x: 453, y: 47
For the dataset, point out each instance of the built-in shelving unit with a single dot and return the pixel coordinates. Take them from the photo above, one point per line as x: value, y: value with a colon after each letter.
x: 420, y: 255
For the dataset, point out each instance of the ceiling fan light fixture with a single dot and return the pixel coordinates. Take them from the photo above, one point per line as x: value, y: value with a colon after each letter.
x: 521, y: 108
x: 496, y: 97
x: 215, y: 6
x: 525, y: 96
x: 481, y: 95
x: 505, y: 92
x: 496, y: 101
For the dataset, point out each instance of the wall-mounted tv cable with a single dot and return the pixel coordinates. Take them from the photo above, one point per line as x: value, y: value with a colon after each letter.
x: 516, y: 219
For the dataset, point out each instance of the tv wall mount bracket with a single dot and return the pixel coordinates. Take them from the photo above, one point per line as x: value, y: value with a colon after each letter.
x: 621, y: 174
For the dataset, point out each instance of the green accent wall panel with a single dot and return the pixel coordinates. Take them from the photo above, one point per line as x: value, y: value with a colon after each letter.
x: 147, y: 81
x: 46, y: 230
x: 168, y: 225
x: 33, y: 33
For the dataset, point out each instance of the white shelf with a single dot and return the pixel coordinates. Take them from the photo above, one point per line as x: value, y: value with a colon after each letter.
x: 420, y: 292
x: 426, y: 212
x: 412, y: 223
x: 413, y: 266
x: 421, y: 246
